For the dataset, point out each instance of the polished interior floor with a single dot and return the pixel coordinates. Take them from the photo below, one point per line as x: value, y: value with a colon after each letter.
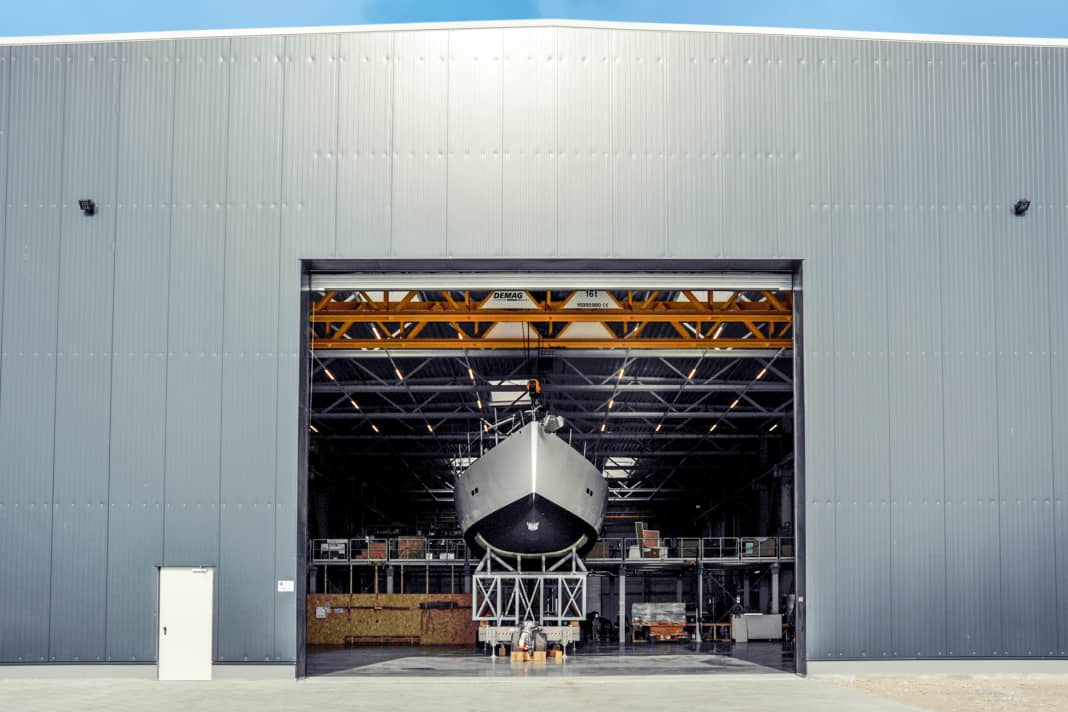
x: 590, y: 659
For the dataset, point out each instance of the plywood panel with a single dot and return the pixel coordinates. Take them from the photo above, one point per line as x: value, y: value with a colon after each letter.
x: 391, y: 615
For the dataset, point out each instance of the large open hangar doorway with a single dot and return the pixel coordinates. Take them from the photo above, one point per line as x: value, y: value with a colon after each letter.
x: 678, y: 384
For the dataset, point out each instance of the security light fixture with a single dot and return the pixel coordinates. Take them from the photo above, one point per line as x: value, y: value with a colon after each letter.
x: 1021, y: 207
x: 87, y: 207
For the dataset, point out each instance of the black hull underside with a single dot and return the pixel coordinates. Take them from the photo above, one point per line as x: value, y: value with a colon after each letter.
x: 508, y: 528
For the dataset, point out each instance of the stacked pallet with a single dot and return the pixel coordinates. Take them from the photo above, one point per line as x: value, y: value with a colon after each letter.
x: 659, y: 621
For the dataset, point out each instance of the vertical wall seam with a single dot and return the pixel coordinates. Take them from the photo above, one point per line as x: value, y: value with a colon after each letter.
x: 448, y: 159
x: 665, y: 147
x: 881, y: 85
x: 391, y: 158
x: 337, y: 140
x: 613, y: 181
x: 1050, y: 330
x: 278, y: 335
x: 170, y: 268
x: 55, y: 347
x: 111, y: 375
x: 500, y: 157
x: 993, y: 276
x: 6, y: 146
x: 823, y: 82
x: 945, y: 466
x: 556, y: 135
x: 217, y: 646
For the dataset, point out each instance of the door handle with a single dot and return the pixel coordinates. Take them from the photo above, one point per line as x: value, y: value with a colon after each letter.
x: 164, y: 630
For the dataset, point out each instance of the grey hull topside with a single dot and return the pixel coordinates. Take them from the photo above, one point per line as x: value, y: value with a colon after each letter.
x: 531, y: 462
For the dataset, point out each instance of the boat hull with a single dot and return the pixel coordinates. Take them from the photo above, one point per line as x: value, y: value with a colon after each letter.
x: 531, y: 494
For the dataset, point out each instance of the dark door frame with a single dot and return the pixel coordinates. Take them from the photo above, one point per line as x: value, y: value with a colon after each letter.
x: 555, y: 265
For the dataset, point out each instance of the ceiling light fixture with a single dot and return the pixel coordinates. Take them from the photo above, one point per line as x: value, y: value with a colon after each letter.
x: 713, y: 428
x: 375, y: 330
x: 354, y: 404
x: 611, y: 402
x: 400, y: 376
x: 329, y: 374
x: 429, y: 427
x: 602, y: 427
x: 658, y: 426
x: 479, y: 401
x: 763, y: 372
x: 375, y: 428
x: 692, y: 372
x: 719, y: 331
x: 471, y: 374
x: 313, y: 428
x: 620, y: 377
x: 734, y: 404
x: 773, y: 427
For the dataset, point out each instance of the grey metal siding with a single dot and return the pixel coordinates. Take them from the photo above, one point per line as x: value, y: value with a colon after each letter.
x: 250, y: 325
x: 585, y: 219
x: 149, y: 383
x: 364, y: 148
x: 83, y: 368
x: 194, y: 350
x: 139, y: 372
x: 1058, y: 316
x: 28, y: 395
x: 529, y: 131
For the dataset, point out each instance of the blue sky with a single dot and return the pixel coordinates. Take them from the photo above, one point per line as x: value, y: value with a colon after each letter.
x: 1034, y: 18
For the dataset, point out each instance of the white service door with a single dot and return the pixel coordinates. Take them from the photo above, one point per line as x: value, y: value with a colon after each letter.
x: 186, y: 598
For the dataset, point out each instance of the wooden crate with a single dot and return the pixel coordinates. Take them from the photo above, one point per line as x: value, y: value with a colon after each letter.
x: 666, y: 631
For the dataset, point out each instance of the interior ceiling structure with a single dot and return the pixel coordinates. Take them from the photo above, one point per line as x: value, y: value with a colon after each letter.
x: 669, y: 393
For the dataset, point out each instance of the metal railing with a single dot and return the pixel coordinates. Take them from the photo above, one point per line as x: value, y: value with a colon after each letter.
x: 369, y: 549
x: 400, y: 549
x: 413, y: 549
x: 692, y: 549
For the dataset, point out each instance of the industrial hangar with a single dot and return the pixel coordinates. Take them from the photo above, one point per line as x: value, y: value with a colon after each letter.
x: 281, y: 308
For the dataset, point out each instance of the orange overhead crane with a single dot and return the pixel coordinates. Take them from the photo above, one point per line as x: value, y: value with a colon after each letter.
x: 506, y: 319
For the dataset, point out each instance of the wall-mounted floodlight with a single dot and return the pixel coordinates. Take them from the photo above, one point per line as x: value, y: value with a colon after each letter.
x: 1021, y: 207
x: 87, y: 207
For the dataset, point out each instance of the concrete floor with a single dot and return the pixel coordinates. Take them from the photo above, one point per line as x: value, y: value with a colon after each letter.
x: 741, y: 693
x: 604, y: 659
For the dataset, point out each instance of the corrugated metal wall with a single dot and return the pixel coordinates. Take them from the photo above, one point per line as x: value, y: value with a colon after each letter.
x: 148, y: 379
